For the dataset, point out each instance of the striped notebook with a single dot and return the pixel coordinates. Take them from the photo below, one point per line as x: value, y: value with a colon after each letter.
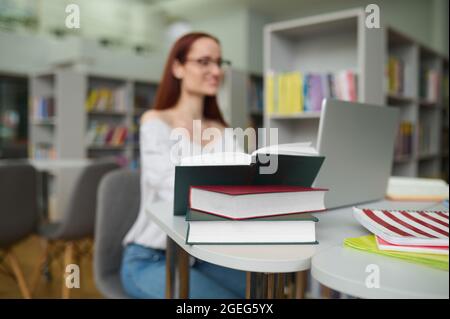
x: 401, y: 227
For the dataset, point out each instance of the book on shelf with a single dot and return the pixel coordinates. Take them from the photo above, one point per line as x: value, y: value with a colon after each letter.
x: 417, y: 189
x: 104, y: 134
x: 404, y: 141
x: 297, y: 92
x: 385, y: 245
x: 430, y: 85
x: 286, y: 229
x: 425, y: 137
x: 43, y: 152
x: 294, y: 164
x: 399, y: 77
x: 106, y: 100
x: 43, y: 108
x: 405, y: 227
x: 240, y: 202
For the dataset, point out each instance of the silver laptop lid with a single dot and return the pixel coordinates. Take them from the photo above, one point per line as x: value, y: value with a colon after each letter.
x: 358, y: 143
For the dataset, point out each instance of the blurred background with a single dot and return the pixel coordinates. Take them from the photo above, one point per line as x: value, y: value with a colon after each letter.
x: 74, y: 95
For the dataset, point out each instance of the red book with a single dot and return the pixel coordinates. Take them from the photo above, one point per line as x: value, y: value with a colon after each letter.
x: 253, y: 201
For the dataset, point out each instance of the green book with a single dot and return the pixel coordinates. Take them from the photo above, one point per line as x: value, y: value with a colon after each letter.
x: 193, y: 215
x: 208, y: 229
x: 294, y: 170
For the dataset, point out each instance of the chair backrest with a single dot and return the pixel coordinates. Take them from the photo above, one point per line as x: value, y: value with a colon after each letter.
x: 117, y: 209
x: 18, y: 202
x: 78, y: 220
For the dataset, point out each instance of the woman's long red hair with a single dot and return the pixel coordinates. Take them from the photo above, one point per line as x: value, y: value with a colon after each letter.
x: 169, y: 89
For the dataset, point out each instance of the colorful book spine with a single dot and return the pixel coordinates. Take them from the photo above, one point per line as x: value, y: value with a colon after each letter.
x: 295, y: 92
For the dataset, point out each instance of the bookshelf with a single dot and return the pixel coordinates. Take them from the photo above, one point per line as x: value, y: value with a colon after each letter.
x: 143, y: 96
x: 13, y: 115
x: 390, y: 69
x: 324, y: 46
x: 418, y: 71
x: 76, y: 115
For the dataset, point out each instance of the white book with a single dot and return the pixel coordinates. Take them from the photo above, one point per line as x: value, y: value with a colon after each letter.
x: 250, y: 232
x: 423, y: 189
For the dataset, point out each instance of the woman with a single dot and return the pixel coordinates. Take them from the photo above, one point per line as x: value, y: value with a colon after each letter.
x: 187, y: 92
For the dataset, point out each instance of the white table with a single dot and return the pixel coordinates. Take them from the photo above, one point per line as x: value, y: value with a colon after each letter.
x: 344, y: 269
x: 333, y: 227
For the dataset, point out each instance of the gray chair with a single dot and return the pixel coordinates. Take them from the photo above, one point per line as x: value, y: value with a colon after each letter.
x: 118, y: 207
x: 76, y: 229
x: 18, y: 213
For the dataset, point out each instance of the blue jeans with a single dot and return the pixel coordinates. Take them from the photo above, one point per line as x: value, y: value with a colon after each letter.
x: 143, y: 275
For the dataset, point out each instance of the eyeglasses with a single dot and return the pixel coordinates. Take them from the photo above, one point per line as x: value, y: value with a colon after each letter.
x: 208, y: 62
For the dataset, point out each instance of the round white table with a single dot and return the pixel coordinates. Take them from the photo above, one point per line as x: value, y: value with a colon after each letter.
x: 367, y: 275
x: 333, y: 227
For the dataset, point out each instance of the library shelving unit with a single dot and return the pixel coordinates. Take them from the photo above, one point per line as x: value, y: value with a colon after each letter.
x: 255, y: 105
x: 56, y: 115
x: 241, y: 101
x: 76, y: 115
x: 340, y: 41
x: 13, y: 115
x: 415, y: 83
x: 232, y: 98
x: 322, y: 44
x: 143, y: 93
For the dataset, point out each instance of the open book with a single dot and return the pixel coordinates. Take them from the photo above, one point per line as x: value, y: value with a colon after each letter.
x: 287, y: 164
x: 237, y: 158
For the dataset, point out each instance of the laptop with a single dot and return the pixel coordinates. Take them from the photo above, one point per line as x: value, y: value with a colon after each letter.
x: 357, y: 141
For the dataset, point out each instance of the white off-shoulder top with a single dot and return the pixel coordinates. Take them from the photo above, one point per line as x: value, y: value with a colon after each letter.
x: 158, y: 177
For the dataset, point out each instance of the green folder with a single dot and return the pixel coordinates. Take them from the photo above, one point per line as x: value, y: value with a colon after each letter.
x: 368, y: 243
x: 295, y: 170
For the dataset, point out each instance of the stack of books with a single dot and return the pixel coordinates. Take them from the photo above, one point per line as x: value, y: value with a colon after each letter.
x: 416, y: 236
x: 236, y: 198
x: 253, y: 214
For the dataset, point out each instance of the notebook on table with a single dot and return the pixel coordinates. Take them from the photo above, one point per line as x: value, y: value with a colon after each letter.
x: 406, y: 227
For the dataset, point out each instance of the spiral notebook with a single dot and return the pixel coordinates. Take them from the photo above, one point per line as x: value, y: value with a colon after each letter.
x: 406, y: 227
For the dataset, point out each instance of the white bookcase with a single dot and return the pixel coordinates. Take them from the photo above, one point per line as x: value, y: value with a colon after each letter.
x: 240, y: 100
x: 341, y: 41
x: 428, y: 118
x: 324, y: 43
x: 66, y: 132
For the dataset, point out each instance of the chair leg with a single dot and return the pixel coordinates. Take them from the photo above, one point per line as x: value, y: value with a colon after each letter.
x: 37, y: 272
x: 68, y: 259
x: 11, y: 258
